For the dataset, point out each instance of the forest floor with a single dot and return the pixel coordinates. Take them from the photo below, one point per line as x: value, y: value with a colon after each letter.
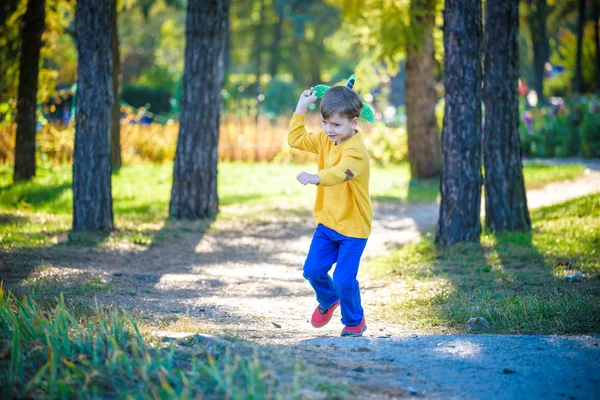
x: 240, y: 284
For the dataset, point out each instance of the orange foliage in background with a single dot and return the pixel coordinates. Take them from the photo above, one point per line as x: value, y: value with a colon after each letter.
x: 241, y: 139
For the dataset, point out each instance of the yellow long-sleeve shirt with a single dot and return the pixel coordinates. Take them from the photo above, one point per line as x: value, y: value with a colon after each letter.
x: 343, y: 203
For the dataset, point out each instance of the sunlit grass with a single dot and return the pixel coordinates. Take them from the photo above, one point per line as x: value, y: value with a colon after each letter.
x: 38, y: 212
x: 516, y: 281
x: 537, y: 175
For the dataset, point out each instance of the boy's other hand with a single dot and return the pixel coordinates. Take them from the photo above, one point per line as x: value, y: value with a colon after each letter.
x: 304, y: 101
x: 306, y: 178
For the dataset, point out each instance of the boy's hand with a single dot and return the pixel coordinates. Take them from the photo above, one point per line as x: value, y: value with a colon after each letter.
x: 306, y: 178
x: 305, y: 99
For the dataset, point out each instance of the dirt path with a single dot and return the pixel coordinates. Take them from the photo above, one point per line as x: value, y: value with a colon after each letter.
x: 246, y: 281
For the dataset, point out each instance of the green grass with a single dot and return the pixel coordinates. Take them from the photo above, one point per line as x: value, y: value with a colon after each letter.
x: 537, y: 176
x: 38, y: 212
x: 50, y: 354
x: 515, y: 281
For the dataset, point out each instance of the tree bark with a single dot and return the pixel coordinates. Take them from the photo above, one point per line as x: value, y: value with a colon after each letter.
x: 31, y: 43
x: 505, y: 196
x: 115, y: 118
x: 92, y: 200
x: 459, y: 217
x: 194, y: 192
x: 539, y: 39
x: 578, y: 81
x: 423, y: 133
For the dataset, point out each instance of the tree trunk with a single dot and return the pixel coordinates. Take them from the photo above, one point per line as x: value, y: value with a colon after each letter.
x: 459, y: 217
x: 423, y: 133
x: 275, y: 50
x: 31, y: 43
x: 578, y: 81
x: 505, y: 197
x: 315, y: 50
x: 539, y: 39
x: 258, y: 49
x: 92, y: 200
x: 194, y: 193
x: 258, y: 44
x: 115, y: 119
x: 597, y: 40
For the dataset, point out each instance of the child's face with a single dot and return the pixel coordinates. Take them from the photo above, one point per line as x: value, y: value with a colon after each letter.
x: 338, y: 127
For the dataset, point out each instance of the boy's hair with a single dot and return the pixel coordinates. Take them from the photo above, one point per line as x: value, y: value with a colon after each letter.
x: 341, y: 100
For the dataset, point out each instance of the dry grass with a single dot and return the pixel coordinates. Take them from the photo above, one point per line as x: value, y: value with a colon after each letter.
x: 241, y: 139
x: 516, y: 281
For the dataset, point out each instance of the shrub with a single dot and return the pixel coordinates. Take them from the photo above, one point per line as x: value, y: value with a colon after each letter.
x: 589, y: 131
x: 387, y: 145
x: 572, y: 130
x: 158, y: 99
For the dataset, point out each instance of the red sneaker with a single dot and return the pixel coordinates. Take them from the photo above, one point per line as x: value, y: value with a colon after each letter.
x: 321, y: 317
x: 355, y: 330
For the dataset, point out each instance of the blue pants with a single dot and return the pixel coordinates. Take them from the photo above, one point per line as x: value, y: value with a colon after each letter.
x: 329, y: 247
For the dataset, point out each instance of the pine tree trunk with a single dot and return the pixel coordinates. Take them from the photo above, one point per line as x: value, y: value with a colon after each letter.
x: 505, y: 197
x: 539, y: 38
x: 92, y: 200
x: 459, y: 217
x: 115, y: 118
x: 423, y: 133
x: 578, y: 81
x: 194, y: 192
x: 31, y: 43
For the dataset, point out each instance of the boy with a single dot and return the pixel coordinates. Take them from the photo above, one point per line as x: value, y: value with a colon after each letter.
x: 343, y: 211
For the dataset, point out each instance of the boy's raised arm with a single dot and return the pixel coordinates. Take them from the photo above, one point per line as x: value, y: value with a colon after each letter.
x: 298, y: 137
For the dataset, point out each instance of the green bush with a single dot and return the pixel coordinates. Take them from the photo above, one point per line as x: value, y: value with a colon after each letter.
x: 280, y: 97
x: 387, y: 145
x: 589, y: 131
x: 572, y: 132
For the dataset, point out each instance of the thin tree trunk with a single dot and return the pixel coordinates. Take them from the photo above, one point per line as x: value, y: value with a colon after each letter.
x: 315, y: 49
x: 258, y: 43
x: 31, y: 43
x: 115, y: 120
x: 459, y: 217
x: 505, y: 197
x: 539, y: 38
x: 423, y: 133
x: 275, y: 50
x: 578, y: 81
x: 258, y: 48
x: 194, y: 192
x: 92, y: 199
x: 597, y: 41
